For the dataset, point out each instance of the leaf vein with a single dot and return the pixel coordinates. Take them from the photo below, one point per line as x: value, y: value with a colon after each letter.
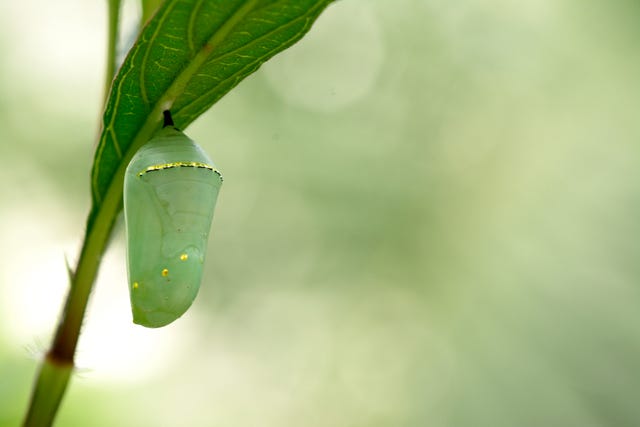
x: 258, y: 60
x: 145, y: 56
x: 192, y: 25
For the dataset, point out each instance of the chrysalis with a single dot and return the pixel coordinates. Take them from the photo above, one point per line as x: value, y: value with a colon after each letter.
x: 170, y: 191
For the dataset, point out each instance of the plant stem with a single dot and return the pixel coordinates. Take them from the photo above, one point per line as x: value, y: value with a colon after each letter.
x: 112, y: 46
x: 59, y: 361
x: 149, y: 7
x: 57, y: 366
x: 48, y: 391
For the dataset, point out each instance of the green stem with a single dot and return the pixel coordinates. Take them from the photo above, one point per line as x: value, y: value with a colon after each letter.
x: 55, y: 371
x: 149, y: 7
x: 48, y: 391
x: 112, y: 45
x: 58, y: 364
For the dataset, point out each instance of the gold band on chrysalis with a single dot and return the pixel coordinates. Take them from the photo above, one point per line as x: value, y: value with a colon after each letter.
x: 179, y: 165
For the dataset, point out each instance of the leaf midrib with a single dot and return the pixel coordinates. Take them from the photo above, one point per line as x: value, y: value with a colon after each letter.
x: 257, y: 59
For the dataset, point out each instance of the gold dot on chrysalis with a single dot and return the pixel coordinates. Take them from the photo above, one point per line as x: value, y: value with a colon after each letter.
x: 165, y: 272
x: 135, y: 285
x: 184, y: 257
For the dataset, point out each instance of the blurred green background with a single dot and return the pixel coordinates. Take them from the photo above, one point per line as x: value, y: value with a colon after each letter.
x: 430, y: 217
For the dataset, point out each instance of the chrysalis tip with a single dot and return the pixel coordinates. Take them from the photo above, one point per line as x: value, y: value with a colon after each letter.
x: 168, y: 120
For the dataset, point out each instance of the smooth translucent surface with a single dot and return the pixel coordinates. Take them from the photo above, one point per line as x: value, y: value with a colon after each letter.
x: 168, y: 211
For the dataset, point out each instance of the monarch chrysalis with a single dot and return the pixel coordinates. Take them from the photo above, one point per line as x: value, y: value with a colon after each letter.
x: 170, y: 191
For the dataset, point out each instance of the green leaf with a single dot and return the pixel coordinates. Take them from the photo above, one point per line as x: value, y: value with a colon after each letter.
x: 189, y: 55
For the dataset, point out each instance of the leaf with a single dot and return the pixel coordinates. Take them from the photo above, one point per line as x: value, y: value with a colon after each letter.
x: 188, y: 56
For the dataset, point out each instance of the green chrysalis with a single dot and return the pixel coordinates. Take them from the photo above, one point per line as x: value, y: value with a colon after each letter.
x: 170, y: 192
